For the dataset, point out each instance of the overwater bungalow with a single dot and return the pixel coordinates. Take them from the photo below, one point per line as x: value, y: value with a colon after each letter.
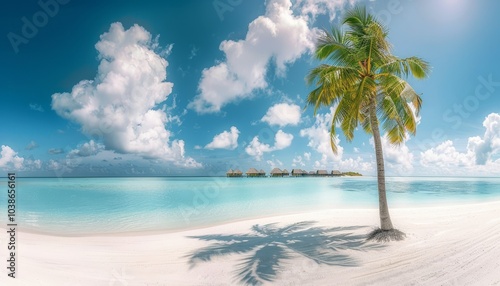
x: 285, y: 173
x: 235, y: 173
x: 322, y: 173
x: 262, y: 173
x: 276, y: 172
x: 252, y: 172
x: 336, y: 173
x: 312, y: 173
x: 298, y: 173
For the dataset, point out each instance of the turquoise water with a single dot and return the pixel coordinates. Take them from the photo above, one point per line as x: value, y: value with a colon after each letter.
x: 111, y: 205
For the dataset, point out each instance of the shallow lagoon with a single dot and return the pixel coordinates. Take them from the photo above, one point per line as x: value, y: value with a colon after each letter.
x: 112, y: 205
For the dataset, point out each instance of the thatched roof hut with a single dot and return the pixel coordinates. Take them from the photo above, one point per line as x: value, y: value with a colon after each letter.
x: 262, y: 173
x: 252, y: 172
x: 312, y: 173
x: 336, y: 173
x: 322, y: 173
x: 285, y: 172
x: 235, y: 173
x: 276, y: 172
x: 298, y: 172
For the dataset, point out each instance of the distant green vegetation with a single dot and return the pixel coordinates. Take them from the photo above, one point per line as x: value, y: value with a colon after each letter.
x: 354, y: 174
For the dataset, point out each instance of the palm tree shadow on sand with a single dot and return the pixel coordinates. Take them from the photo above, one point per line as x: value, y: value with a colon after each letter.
x: 269, y: 246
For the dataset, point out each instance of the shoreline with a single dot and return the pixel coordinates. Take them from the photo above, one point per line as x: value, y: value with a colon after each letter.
x: 251, y: 218
x: 444, y: 245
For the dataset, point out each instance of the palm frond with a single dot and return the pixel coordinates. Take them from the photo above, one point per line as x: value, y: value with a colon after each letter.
x: 404, y: 67
x: 363, y: 70
x: 219, y: 249
x: 263, y: 265
x: 332, y: 83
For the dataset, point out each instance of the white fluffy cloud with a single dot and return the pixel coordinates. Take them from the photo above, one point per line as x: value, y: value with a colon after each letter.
x: 319, y: 137
x: 298, y: 161
x: 397, y: 157
x: 479, y: 149
x: 316, y: 7
x: 350, y: 164
x: 282, y: 140
x: 319, y: 140
x: 446, y: 155
x: 87, y: 149
x: 225, y: 140
x: 33, y: 164
x: 307, y: 156
x: 9, y: 159
x: 257, y: 149
x: 278, y: 36
x: 489, y: 145
x: 119, y: 105
x: 282, y: 114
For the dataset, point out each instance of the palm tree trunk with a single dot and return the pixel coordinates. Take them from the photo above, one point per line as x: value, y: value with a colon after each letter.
x: 385, y: 219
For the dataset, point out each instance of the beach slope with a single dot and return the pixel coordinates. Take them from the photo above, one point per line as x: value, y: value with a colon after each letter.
x: 452, y: 245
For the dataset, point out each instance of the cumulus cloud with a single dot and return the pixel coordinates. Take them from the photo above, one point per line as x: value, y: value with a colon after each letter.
x: 226, y: 140
x: 282, y: 114
x: 120, y: 104
x: 446, y: 155
x: 307, y: 156
x: 279, y: 37
x: 489, y: 144
x: 298, y: 161
x: 319, y: 136
x: 257, y: 149
x: 282, y: 140
x: 350, y: 164
x: 9, y: 159
x: 319, y: 140
x: 397, y: 158
x: 33, y: 164
x: 87, y: 149
x: 317, y: 7
x: 479, y: 149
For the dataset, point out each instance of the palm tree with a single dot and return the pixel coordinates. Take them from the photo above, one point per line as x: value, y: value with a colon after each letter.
x: 367, y: 85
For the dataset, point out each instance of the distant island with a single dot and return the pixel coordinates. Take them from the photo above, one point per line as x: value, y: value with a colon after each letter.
x: 276, y: 172
x: 352, y: 174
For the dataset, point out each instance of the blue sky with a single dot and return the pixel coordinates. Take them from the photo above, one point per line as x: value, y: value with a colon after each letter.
x: 131, y: 88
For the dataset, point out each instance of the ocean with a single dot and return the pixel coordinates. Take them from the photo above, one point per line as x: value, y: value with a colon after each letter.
x: 87, y: 206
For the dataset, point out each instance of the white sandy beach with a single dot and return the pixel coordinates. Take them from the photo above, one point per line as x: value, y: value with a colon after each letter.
x: 457, y: 245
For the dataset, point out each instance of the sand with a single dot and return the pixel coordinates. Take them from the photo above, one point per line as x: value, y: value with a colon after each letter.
x: 452, y: 245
